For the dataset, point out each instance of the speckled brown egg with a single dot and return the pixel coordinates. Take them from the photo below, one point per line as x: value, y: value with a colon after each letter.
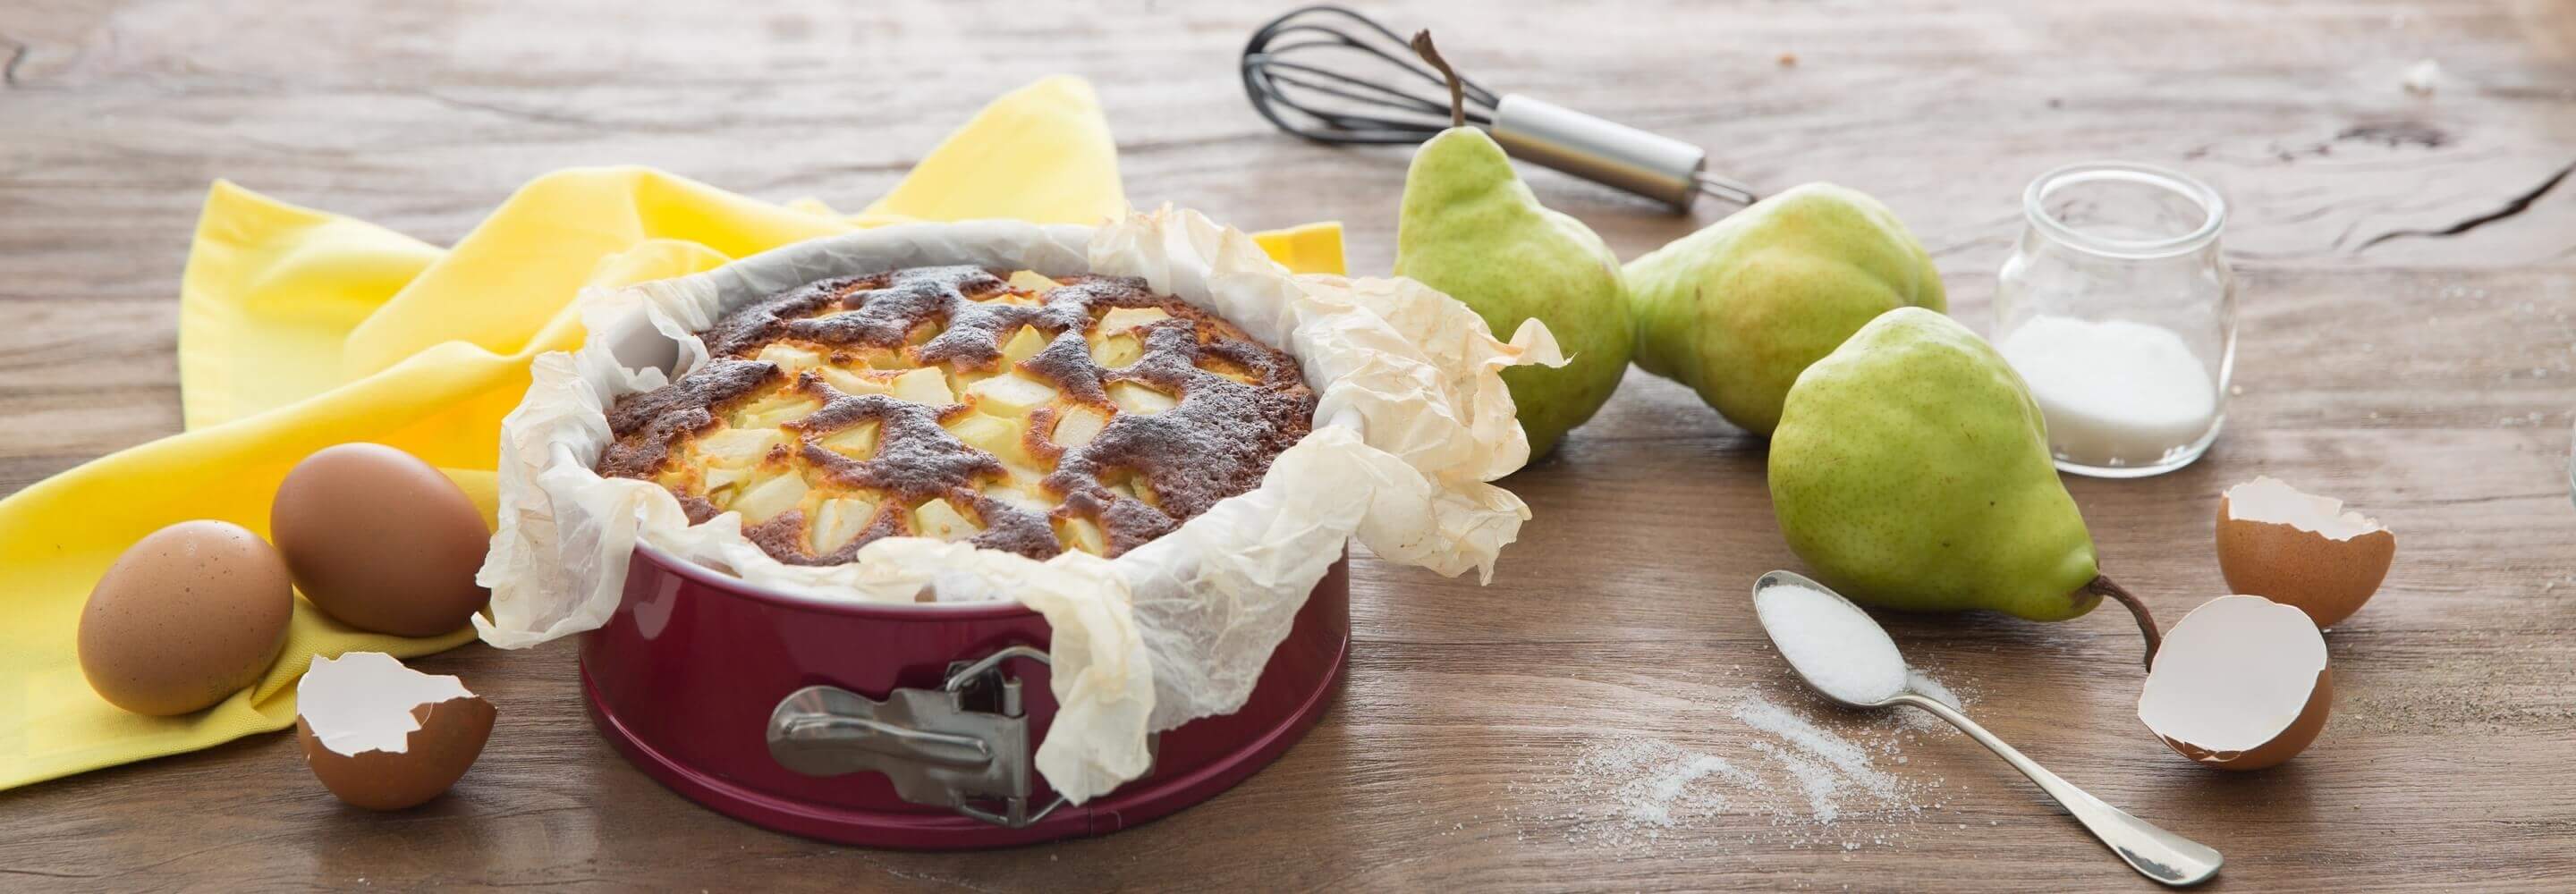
x: 381, y: 541
x: 187, y: 616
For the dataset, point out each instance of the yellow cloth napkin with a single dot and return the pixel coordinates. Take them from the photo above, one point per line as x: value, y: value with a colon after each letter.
x: 300, y: 329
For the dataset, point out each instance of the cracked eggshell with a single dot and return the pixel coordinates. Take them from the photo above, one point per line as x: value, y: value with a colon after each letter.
x: 2241, y: 683
x: 2301, y: 550
x: 383, y: 736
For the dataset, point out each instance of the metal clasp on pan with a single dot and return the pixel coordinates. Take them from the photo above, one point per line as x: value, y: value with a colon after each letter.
x: 963, y: 746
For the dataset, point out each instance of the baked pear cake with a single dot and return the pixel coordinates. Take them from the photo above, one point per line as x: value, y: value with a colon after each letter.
x: 1005, y: 409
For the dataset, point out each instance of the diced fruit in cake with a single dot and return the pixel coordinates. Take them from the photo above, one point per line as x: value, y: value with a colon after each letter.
x: 739, y: 446
x: 836, y: 522
x: 991, y: 434
x: 768, y: 412
x: 790, y: 357
x: 1081, y: 534
x: 940, y: 520
x: 765, y: 500
x: 1011, y: 395
x: 881, y: 358
x: 1028, y: 281
x: 848, y: 382
x: 1117, y: 351
x: 856, y: 442
x: 1023, y: 345
x: 1139, y: 398
x: 1128, y: 485
x: 721, y: 484
x: 1121, y: 319
x: 1076, y: 425
x: 924, y: 386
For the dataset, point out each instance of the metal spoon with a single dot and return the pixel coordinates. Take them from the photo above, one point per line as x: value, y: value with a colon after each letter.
x: 2153, y: 852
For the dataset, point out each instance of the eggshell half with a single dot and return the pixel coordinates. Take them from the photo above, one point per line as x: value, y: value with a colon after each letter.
x: 2301, y: 550
x: 2241, y: 683
x: 2300, y: 734
x: 354, y: 751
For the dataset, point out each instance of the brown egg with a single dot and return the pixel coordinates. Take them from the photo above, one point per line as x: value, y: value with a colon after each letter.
x: 383, y: 736
x: 2241, y: 683
x: 187, y: 616
x: 2301, y: 550
x: 380, y: 540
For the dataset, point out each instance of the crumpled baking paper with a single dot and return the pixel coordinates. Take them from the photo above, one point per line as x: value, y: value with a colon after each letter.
x: 1412, y: 421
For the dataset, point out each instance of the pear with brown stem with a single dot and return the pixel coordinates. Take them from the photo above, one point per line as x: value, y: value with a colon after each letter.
x: 1911, y: 471
x: 1469, y: 227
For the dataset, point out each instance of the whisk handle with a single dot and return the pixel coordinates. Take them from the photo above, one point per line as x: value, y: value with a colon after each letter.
x: 1648, y: 164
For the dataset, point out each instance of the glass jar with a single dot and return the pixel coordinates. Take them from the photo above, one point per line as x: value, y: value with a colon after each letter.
x: 2119, y: 311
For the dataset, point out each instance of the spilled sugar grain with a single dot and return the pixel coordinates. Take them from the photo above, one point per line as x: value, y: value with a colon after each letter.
x: 1840, y: 784
x: 1829, y: 769
x: 1924, y: 684
x: 1634, y: 789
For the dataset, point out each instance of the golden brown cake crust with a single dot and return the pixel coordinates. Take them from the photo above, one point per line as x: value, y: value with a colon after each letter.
x: 1195, y: 411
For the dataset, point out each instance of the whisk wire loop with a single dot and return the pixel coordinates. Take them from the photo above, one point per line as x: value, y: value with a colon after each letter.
x: 1297, y: 96
x: 1331, y: 75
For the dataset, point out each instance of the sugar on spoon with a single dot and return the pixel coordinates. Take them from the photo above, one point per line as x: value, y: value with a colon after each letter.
x: 1841, y: 652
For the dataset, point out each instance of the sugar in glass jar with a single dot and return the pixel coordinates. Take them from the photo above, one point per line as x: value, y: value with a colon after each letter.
x: 2118, y: 309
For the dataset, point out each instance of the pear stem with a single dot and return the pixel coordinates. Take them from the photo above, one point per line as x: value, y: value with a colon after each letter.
x: 2104, y: 586
x: 1457, y: 92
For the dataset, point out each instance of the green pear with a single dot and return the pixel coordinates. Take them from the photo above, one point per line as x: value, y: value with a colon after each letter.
x: 1911, y: 471
x: 1470, y: 228
x: 1738, y: 309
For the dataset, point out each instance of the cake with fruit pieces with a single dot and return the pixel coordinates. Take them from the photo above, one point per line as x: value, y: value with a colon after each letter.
x: 1010, y: 411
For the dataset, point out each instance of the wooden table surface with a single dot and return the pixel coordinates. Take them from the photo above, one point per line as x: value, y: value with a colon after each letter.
x: 2408, y: 272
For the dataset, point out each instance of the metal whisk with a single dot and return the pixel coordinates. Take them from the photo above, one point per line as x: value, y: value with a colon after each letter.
x: 1287, y: 73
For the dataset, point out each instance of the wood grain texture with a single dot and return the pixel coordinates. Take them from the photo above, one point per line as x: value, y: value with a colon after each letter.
x: 2409, y: 284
